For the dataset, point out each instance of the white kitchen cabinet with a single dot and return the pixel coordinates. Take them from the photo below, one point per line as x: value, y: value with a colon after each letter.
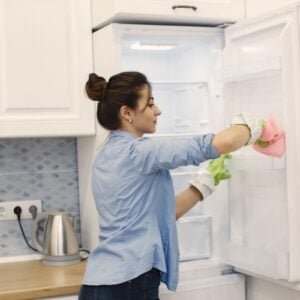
x: 45, y: 59
x: 257, y: 7
x: 167, y: 11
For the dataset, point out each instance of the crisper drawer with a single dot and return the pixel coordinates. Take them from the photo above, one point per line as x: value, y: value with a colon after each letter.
x: 226, y: 287
x: 194, y: 237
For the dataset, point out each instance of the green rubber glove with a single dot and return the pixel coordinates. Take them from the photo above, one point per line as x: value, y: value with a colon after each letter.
x: 218, y: 169
x: 263, y: 144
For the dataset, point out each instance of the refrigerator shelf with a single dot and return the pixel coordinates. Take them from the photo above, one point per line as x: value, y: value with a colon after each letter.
x: 172, y: 135
x: 266, y: 67
x: 178, y: 86
x: 179, y: 82
x: 176, y: 173
x: 270, y: 264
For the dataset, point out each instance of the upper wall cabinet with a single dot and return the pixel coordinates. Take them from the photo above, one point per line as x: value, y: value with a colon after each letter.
x: 212, y: 12
x: 257, y: 7
x: 45, y: 59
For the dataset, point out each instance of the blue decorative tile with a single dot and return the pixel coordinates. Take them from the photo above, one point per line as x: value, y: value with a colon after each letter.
x: 44, y: 169
x: 31, y: 155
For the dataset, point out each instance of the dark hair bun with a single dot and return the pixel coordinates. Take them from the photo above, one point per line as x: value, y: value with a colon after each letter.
x: 96, y: 87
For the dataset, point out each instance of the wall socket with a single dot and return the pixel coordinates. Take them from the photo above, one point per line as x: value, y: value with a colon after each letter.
x: 7, y: 209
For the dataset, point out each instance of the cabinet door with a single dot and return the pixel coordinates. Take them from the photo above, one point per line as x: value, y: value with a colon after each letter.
x: 261, y: 76
x: 167, y: 11
x: 45, y: 59
x: 257, y: 7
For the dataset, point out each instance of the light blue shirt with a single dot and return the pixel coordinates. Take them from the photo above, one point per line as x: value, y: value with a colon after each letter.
x: 135, y: 198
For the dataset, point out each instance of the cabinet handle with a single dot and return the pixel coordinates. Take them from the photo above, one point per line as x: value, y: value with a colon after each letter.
x: 194, y: 8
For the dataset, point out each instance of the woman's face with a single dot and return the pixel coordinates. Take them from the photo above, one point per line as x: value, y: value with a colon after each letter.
x: 145, y: 115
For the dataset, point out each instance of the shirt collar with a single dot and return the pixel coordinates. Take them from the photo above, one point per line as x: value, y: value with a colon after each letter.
x: 122, y: 133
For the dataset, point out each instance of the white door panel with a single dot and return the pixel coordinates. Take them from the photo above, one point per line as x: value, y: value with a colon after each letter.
x: 45, y: 58
x: 256, y: 8
x: 261, y: 62
x: 167, y: 11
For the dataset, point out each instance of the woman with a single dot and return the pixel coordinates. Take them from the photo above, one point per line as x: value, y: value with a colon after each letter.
x: 133, y: 189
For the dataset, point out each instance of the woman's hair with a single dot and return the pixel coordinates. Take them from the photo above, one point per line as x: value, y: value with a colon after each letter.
x: 121, y: 89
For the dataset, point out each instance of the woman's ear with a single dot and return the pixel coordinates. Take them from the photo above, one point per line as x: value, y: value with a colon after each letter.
x: 125, y: 113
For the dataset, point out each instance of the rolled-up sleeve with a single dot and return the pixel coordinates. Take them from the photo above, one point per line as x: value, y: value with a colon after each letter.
x: 150, y: 155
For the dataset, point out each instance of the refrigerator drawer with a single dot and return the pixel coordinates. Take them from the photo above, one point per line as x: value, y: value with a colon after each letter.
x: 194, y: 237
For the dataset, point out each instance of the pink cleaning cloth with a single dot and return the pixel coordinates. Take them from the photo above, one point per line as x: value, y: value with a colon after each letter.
x: 272, y: 140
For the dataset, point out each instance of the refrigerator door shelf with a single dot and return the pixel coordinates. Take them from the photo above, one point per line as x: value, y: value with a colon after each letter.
x: 248, y: 159
x: 257, y: 68
x: 226, y: 287
x: 267, y: 263
x: 203, y: 268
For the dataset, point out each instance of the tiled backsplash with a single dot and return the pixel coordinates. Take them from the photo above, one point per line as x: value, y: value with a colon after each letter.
x: 36, y: 168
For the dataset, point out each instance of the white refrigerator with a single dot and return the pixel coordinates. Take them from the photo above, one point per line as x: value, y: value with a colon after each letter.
x: 201, y: 78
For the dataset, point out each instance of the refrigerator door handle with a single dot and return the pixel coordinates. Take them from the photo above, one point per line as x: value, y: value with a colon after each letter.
x: 194, y: 8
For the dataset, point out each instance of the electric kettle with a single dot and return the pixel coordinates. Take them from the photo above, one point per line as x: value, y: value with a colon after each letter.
x: 59, y: 245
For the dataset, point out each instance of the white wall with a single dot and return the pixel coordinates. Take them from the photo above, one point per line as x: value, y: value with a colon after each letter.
x: 258, y: 289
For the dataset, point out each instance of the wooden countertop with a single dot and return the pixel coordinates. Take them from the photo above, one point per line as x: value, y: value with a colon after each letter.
x: 33, y: 279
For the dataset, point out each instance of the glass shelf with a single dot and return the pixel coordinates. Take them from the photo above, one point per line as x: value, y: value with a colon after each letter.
x: 184, y: 105
x: 178, y: 83
x: 172, y: 135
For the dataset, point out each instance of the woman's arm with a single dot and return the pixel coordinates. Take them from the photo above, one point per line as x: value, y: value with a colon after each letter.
x: 244, y: 131
x: 231, y: 139
x: 201, y: 186
x: 226, y: 141
x: 186, y: 200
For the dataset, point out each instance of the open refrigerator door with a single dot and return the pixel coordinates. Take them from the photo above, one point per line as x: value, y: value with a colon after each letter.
x: 261, y: 76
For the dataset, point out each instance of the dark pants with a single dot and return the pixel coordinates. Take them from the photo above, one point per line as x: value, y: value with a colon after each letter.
x: 144, y: 287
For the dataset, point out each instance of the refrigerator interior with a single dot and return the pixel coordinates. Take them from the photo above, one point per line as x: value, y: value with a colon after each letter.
x: 181, y: 65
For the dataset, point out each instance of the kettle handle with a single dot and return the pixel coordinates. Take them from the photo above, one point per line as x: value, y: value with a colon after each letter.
x: 35, y: 231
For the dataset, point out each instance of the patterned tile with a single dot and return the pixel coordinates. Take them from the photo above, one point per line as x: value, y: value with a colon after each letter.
x: 44, y: 169
x: 56, y: 190
x: 37, y: 155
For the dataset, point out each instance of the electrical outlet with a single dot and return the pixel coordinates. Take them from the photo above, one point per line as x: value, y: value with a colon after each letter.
x: 7, y: 209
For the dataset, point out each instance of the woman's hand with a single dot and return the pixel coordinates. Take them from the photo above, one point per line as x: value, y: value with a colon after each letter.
x: 255, y: 125
x: 244, y: 130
